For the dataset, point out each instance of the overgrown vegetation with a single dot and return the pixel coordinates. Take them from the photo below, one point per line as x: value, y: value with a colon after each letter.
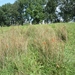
x: 37, y: 50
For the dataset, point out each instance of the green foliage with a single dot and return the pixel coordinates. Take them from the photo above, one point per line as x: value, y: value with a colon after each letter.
x: 50, y: 9
x: 6, y: 10
x: 67, y: 10
x: 36, y: 11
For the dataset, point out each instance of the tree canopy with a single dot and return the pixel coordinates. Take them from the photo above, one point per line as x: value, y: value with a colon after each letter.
x: 35, y: 11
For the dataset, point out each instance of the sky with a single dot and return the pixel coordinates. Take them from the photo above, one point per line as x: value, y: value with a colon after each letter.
x: 2, y: 2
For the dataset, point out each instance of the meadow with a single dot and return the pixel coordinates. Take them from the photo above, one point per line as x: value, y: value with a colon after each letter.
x: 38, y: 49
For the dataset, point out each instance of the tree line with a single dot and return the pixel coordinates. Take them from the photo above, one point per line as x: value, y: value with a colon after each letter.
x: 36, y: 11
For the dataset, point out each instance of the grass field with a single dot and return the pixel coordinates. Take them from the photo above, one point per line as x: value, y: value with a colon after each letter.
x: 38, y: 49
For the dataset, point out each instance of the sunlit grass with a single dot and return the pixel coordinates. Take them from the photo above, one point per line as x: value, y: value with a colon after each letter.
x: 37, y: 49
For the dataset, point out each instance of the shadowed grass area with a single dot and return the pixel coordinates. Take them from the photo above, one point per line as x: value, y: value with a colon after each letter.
x: 37, y: 50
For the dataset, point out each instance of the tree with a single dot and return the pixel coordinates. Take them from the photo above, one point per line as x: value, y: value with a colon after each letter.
x: 50, y: 9
x: 36, y: 13
x: 22, y: 5
x: 2, y: 19
x: 67, y: 10
x: 33, y: 9
x: 6, y: 13
x: 15, y: 14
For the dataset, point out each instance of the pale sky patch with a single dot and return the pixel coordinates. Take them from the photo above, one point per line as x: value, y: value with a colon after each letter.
x: 2, y: 2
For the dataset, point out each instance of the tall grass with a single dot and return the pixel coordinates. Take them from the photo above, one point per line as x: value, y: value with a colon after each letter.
x: 36, y: 50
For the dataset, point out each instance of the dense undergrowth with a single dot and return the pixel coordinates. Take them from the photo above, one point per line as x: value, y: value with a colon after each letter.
x: 38, y: 50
